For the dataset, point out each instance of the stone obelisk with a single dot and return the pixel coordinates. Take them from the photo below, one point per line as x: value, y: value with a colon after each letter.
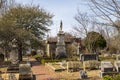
x: 60, y: 50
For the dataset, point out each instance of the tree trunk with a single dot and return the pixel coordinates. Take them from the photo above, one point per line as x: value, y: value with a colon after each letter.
x: 20, y: 51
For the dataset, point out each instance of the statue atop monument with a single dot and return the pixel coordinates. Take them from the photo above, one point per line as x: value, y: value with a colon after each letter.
x: 60, y: 49
x: 61, y: 25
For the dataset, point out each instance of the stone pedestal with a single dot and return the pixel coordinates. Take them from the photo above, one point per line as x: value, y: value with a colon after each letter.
x: 60, y: 50
x: 14, y: 56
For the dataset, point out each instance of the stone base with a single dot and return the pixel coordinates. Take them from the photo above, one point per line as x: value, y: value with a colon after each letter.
x: 61, y: 55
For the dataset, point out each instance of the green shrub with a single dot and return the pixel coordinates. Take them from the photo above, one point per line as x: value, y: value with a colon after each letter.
x: 42, y: 61
x: 107, y: 77
x: 116, y: 77
x: 37, y: 56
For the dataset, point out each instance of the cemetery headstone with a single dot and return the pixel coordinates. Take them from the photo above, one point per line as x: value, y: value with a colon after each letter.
x: 86, y: 57
x: 106, y: 66
x: 14, y: 57
x: 60, y: 49
x: 83, y: 74
x: 25, y: 72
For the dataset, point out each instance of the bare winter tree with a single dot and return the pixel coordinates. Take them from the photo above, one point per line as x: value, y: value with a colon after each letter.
x: 108, y: 10
x: 83, y: 24
x: 5, y: 5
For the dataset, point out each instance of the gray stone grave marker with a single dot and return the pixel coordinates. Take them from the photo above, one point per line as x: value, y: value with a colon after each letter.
x: 83, y: 74
x: 14, y: 57
x: 86, y: 57
x: 25, y: 72
x: 106, y: 66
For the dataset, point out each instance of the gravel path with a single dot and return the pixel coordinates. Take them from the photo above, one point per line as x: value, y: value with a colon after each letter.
x: 43, y: 73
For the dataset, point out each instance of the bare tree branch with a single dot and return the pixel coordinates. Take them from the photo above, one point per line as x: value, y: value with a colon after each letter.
x: 108, y: 9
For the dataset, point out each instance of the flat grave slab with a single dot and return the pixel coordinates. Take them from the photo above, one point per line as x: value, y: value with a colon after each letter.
x: 55, y: 66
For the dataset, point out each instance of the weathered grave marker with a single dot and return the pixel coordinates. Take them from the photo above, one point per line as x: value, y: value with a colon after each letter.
x: 106, y: 66
x: 83, y: 74
x: 25, y: 72
x: 14, y: 57
x: 86, y: 57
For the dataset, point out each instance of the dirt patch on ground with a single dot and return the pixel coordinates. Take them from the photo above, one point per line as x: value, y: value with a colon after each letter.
x: 43, y: 72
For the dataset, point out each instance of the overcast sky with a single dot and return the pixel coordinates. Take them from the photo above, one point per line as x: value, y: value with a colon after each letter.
x: 64, y: 10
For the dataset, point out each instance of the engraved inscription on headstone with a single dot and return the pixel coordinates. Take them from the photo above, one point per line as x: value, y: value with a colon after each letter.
x: 14, y: 57
x: 86, y: 57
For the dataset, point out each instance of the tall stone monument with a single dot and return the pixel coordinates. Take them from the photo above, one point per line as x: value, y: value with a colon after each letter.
x: 60, y: 50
